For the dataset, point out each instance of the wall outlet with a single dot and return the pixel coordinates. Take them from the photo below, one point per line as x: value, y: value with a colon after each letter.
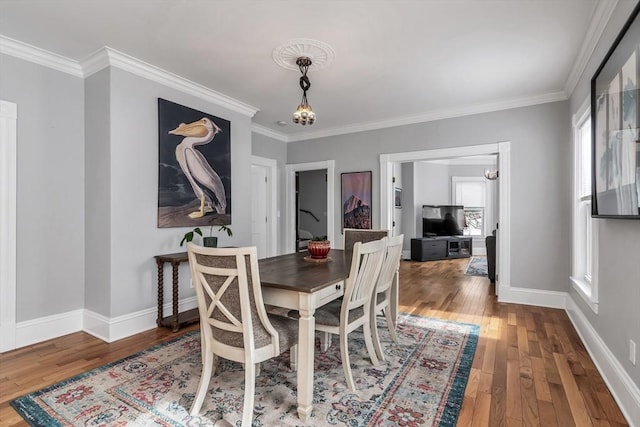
x: 632, y: 351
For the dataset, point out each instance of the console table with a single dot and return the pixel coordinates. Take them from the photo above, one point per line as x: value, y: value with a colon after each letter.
x: 441, y: 247
x: 176, y: 319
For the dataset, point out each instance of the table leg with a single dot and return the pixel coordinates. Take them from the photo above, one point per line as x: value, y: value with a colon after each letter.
x: 160, y: 291
x: 175, y: 321
x: 306, y: 343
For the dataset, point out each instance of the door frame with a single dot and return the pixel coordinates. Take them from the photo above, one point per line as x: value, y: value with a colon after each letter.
x: 8, y: 233
x: 271, y: 165
x: 503, y: 150
x: 290, y: 232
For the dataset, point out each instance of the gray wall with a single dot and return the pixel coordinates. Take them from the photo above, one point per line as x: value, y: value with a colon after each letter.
x: 430, y: 188
x: 50, y: 181
x: 618, y: 318
x: 98, y: 193
x: 270, y: 148
x: 540, y: 185
x: 134, y: 236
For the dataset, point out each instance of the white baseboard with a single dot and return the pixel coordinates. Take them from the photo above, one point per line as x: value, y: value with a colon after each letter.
x: 107, y: 329
x: 113, y: 329
x: 526, y: 296
x: 48, y: 327
x: 624, y: 390
x: 406, y: 254
x: 480, y: 251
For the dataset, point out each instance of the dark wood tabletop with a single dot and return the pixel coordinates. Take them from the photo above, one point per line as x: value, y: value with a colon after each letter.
x: 292, y: 272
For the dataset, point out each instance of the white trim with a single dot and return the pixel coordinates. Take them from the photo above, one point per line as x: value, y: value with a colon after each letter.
x: 8, y: 222
x: 39, y: 56
x: 480, y: 250
x: 584, y: 290
x: 536, y: 297
x: 271, y: 165
x: 503, y: 233
x: 433, y: 116
x: 48, y: 327
x: 107, y: 56
x: 625, y: 392
x: 263, y: 130
x: 599, y: 19
x: 107, y: 329
x: 503, y: 150
x: 587, y: 291
x: 290, y: 212
x: 113, y: 329
x: 468, y: 161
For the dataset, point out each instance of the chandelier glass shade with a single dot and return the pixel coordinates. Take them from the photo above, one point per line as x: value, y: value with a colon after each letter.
x: 304, y: 114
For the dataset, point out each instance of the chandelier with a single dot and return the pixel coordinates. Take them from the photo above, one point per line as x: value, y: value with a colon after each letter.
x: 304, y: 114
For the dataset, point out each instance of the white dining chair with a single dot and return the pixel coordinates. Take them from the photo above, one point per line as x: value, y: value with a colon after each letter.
x: 387, y: 283
x: 340, y: 317
x: 233, y: 320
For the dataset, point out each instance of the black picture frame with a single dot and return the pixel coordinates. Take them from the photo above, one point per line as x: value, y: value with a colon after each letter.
x: 356, y: 192
x: 615, y: 127
x: 177, y: 198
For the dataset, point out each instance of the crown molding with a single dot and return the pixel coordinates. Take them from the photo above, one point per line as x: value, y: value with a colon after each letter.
x: 39, y: 56
x: 434, y: 115
x: 263, y: 130
x: 107, y: 56
x: 599, y: 19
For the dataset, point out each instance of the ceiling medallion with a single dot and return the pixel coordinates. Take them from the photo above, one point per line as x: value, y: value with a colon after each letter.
x: 320, y: 54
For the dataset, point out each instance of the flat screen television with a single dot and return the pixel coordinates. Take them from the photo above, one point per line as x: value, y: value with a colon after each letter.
x: 442, y: 220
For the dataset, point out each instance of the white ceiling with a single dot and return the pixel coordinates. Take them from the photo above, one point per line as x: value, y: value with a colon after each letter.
x: 396, y: 61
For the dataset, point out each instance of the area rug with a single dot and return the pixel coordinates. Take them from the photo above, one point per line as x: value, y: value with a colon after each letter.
x: 477, y: 267
x: 421, y: 383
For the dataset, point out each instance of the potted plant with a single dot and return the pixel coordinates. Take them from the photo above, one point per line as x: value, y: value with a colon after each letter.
x: 319, y: 247
x: 211, y: 241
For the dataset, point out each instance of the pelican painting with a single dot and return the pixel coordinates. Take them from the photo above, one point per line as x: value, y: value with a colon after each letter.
x: 195, y: 167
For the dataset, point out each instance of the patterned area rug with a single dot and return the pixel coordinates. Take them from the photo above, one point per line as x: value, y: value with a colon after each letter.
x: 421, y: 384
x: 477, y: 267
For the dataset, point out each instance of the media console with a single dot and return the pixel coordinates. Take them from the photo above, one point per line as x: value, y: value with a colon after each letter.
x: 441, y: 247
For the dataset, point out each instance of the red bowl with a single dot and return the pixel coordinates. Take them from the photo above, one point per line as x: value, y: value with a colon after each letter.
x: 319, y: 249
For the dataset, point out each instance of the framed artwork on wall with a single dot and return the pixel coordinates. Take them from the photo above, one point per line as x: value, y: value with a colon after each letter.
x: 615, y: 127
x: 397, y: 199
x: 194, y: 167
x: 356, y: 200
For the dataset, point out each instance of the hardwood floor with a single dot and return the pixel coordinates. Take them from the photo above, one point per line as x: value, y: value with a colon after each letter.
x: 530, y: 367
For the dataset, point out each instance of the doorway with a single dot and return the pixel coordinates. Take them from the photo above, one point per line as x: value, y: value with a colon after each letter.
x: 311, y: 206
x: 503, y: 151
x: 264, y: 201
x: 292, y: 243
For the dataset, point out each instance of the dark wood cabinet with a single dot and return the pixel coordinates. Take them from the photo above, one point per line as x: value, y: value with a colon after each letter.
x: 442, y: 247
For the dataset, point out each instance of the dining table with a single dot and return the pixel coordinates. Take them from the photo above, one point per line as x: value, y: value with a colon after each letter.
x: 297, y: 282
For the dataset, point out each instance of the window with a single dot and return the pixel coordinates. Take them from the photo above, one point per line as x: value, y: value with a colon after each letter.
x: 582, y: 275
x: 471, y: 193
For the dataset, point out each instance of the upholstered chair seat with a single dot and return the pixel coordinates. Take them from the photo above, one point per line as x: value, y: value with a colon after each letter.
x: 234, y: 323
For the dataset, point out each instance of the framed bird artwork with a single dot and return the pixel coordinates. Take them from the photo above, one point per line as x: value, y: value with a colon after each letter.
x: 194, y: 167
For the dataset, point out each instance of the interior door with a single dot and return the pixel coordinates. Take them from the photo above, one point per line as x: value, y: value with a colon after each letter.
x: 259, y: 193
